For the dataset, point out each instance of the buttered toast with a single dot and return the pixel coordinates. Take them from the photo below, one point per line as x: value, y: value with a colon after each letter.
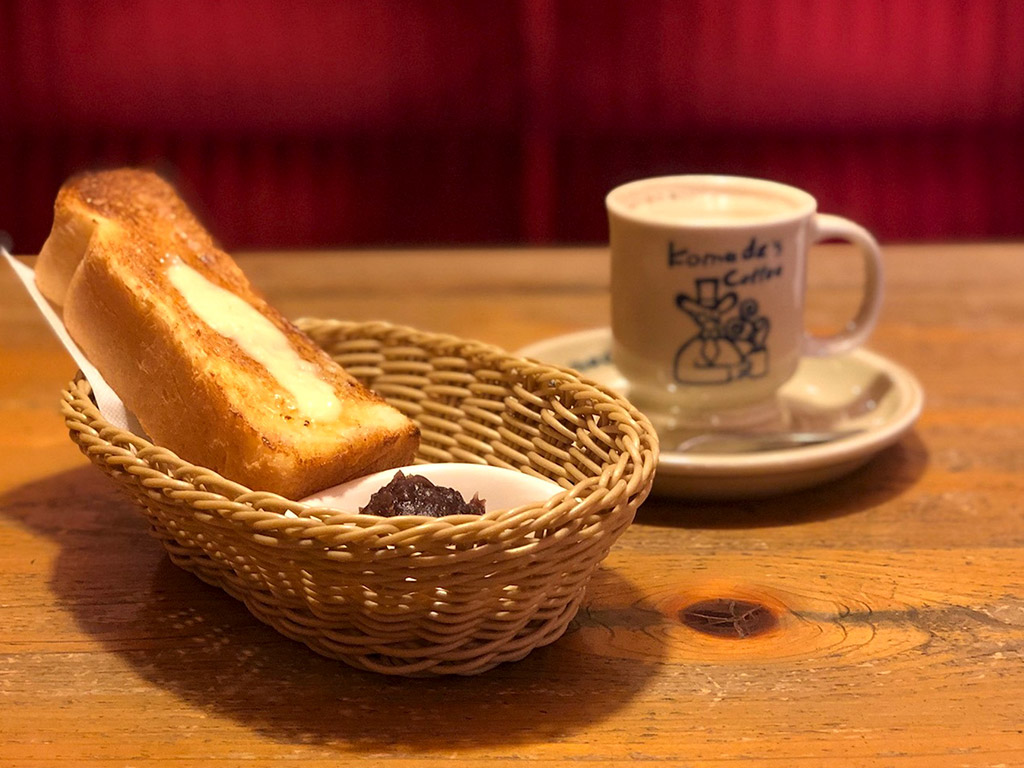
x: 211, y: 371
x: 133, y: 199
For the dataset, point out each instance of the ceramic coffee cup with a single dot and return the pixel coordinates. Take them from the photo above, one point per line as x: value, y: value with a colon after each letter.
x: 708, y: 283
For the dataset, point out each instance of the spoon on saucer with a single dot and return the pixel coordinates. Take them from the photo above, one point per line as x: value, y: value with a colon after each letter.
x: 753, y: 442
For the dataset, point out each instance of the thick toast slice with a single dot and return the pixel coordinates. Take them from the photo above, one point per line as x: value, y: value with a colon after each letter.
x: 135, y: 199
x: 212, y: 371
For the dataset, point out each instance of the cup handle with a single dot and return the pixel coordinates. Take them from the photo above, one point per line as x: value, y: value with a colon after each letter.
x: 825, y: 226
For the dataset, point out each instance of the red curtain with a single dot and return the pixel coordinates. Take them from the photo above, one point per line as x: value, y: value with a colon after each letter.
x: 320, y: 123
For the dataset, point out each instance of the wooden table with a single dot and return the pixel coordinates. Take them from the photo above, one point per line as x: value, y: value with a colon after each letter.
x: 899, y: 590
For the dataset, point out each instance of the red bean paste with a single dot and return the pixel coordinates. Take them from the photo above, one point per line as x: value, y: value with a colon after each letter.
x: 416, y: 495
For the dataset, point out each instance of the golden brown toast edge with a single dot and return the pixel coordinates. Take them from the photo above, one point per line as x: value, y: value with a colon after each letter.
x: 138, y: 197
x: 153, y: 365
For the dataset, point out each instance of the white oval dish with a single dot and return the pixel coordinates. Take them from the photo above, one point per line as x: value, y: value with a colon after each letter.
x: 499, y: 488
x: 868, y: 401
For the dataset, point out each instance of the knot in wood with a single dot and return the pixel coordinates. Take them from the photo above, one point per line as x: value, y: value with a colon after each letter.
x: 723, y: 617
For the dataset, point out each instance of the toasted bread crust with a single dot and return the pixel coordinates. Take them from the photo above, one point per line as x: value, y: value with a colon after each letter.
x: 195, y: 391
x: 135, y: 198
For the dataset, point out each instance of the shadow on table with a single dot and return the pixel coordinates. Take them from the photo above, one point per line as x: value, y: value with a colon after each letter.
x: 203, y: 646
x: 885, y: 477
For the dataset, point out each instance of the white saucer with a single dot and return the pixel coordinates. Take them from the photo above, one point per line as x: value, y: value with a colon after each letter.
x: 867, y: 401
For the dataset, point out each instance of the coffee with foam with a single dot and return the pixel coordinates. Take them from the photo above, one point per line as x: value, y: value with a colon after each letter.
x: 709, y: 206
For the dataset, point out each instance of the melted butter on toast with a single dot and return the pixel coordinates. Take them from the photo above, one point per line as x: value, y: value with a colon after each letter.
x: 260, y: 339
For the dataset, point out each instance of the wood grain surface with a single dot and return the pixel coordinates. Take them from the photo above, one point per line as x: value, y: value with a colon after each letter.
x: 875, y: 621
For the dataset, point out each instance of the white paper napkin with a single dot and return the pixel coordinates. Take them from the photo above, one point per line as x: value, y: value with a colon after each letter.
x: 109, y: 404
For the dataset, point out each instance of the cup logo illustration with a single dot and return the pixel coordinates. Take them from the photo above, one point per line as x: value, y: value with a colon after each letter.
x: 731, y: 338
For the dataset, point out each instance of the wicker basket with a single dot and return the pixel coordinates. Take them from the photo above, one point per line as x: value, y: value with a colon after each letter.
x: 401, y: 596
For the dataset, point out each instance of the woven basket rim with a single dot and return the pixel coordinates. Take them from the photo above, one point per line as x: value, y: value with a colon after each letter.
x: 268, y: 513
